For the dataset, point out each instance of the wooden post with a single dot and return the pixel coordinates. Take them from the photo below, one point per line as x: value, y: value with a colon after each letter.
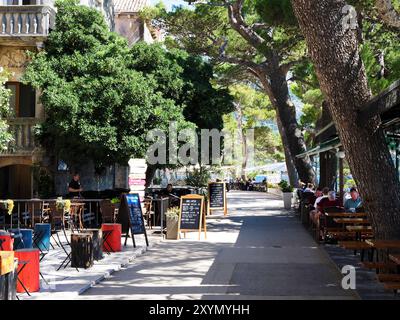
x: 341, y: 178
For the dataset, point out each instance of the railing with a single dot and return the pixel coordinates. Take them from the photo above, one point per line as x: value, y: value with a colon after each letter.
x: 28, y: 212
x: 30, y: 20
x: 22, y: 130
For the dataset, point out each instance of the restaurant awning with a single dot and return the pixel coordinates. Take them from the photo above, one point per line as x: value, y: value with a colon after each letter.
x: 323, y: 147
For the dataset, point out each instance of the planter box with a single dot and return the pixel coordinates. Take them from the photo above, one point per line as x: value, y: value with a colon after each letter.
x: 172, y: 228
x: 287, y: 200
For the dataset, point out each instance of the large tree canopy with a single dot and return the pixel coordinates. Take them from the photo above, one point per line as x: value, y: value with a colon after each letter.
x: 102, y: 98
x: 186, y: 79
x: 247, y: 38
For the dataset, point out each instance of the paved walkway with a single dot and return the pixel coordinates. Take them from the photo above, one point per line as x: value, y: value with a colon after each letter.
x: 260, y: 251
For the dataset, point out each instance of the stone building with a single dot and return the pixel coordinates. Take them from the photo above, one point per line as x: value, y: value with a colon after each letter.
x: 24, y: 25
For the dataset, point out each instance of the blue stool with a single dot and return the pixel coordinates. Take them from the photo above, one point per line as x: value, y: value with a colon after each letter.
x: 42, y: 233
x: 22, y: 238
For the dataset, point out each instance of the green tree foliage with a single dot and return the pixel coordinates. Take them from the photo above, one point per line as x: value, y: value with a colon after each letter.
x: 277, y: 12
x: 254, y: 111
x: 198, y: 177
x: 101, y: 97
x: 188, y: 80
x: 5, y: 136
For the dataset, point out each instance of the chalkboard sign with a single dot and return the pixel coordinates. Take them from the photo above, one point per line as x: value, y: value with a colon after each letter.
x: 217, y: 196
x: 131, y: 217
x: 191, y: 215
x: 135, y: 214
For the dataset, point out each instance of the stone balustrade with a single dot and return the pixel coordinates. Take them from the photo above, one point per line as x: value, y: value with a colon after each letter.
x: 27, y: 20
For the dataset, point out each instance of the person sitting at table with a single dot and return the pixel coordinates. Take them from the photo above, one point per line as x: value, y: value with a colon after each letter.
x: 329, y: 201
x: 318, y: 195
x: 74, y: 187
x: 322, y: 195
x: 310, y: 188
x: 353, y: 202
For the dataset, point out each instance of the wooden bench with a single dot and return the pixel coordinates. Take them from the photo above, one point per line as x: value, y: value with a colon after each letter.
x: 341, y: 234
x: 354, y: 245
x: 395, y: 258
x: 391, y: 285
x: 379, y: 266
x: 388, y: 277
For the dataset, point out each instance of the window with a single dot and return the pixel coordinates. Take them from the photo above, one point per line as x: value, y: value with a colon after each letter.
x: 62, y: 166
x: 22, y: 100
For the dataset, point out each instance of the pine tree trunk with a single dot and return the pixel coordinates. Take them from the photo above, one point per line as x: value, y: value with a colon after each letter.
x: 291, y: 168
x: 276, y: 87
x: 342, y: 77
x: 150, y: 172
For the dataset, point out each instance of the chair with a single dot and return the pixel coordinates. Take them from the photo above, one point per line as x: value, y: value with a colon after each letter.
x: 327, y: 223
x: 148, y: 212
x: 23, y: 264
x: 57, y: 221
x: 45, y: 217
x: 88, y: 219
x: 25, y: 219
x: 107, y: 210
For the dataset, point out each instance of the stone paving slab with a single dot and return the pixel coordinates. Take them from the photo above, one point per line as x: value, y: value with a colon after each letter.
x: 68, y: 283
x: 258, y: 252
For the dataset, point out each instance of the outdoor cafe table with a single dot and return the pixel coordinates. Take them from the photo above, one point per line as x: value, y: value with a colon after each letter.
x: 76, y: 212
x: 351, y: 221
x: 346, y: 214
x: 359, y: 230
x: 386, y: 245
x: 395, y: 258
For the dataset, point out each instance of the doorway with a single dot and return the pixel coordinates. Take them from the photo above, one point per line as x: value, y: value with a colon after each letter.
x: 16, y: 182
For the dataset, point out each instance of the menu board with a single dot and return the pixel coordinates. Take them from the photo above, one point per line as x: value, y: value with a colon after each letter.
x: 130, y: 216
x: 191, y: 213
x: 216, y: 195
x: 136, y: 221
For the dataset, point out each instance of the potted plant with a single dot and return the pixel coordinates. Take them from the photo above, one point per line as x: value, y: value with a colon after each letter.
x: 287, y: 193
x: 172, y: 217
x: 63, y: 205
x: 7, y: 205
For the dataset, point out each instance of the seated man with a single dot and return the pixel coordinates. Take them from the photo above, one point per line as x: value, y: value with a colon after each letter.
x: 353, y: 202
x: 318, y: 196
x: 322, y: 195
x: 310, y: 188
x: 329, y: 201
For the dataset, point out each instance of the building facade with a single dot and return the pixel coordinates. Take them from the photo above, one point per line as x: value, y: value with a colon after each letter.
x: 24, y: 26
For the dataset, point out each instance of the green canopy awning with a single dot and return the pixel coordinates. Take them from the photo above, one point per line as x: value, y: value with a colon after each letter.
x: 323, y: 147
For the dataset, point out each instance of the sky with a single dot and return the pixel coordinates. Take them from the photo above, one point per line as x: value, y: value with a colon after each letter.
x: 168, y: 3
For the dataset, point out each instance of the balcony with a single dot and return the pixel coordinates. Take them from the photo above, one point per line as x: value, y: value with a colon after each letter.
x: 26, y: 23
x: 23, y: 142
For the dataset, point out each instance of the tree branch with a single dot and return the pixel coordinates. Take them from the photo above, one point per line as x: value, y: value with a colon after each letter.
x: 388, y: 13
x: 287, y: 66
x: 237, y: 22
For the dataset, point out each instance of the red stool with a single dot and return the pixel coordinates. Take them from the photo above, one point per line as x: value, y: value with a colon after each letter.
x: 28, y: 270
x: 6, y: 241
x: 111, y: 237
